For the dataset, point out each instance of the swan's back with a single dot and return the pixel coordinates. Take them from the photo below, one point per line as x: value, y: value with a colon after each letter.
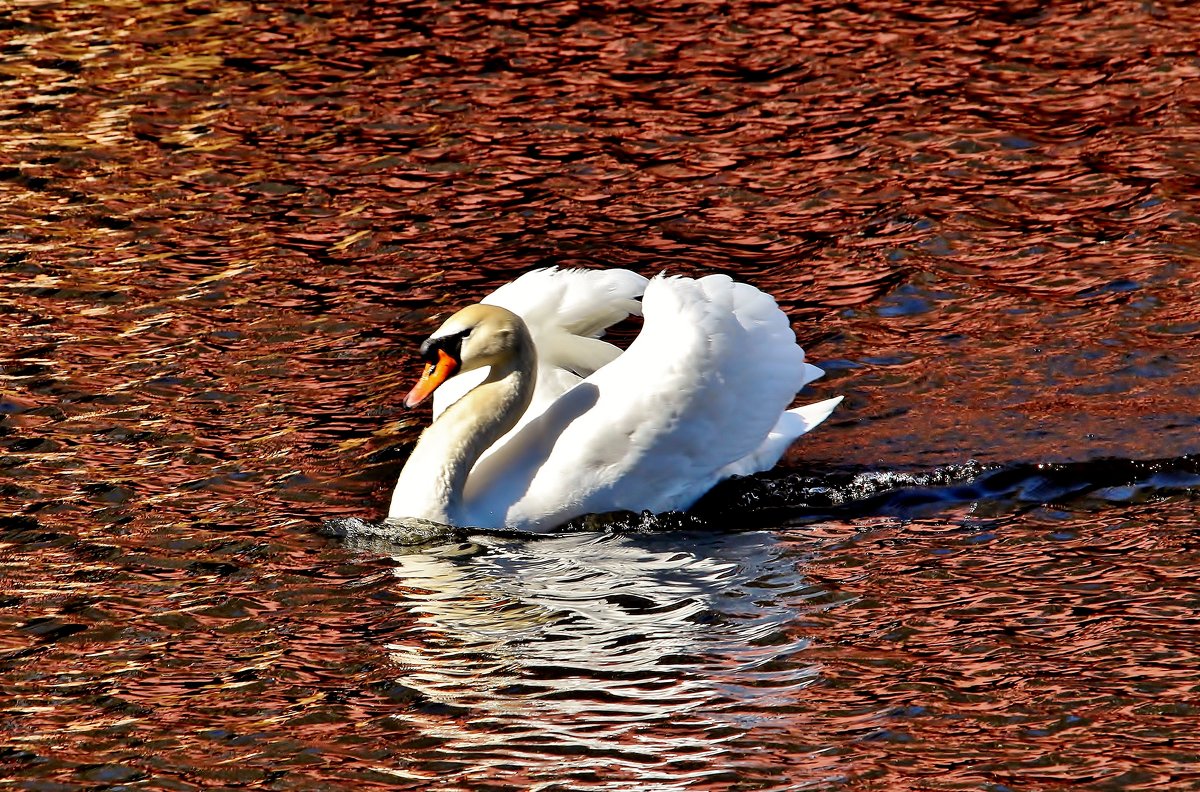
x: 700, y: 389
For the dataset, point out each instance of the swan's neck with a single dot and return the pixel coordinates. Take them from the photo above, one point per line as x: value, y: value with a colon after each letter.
x: 432, y: 481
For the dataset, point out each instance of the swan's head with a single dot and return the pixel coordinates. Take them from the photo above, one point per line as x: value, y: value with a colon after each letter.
x: 478, y: 335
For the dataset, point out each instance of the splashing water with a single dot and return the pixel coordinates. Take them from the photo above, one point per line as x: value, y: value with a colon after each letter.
x: 790, y: 498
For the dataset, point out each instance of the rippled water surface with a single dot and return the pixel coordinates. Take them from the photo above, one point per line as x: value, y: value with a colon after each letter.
x: 226, y: 227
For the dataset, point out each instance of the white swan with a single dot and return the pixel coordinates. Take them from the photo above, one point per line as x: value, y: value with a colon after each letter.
x: 541, y: 421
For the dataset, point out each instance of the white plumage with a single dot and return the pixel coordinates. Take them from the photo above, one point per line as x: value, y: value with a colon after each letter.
x: 700, y: 395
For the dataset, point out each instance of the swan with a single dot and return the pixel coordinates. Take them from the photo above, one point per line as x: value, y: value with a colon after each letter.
x: 537, y: 420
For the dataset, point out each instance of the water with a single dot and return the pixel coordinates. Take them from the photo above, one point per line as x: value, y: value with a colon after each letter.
x: 227, y: 227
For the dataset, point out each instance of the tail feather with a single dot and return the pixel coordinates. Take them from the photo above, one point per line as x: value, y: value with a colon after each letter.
x: 791, y: 425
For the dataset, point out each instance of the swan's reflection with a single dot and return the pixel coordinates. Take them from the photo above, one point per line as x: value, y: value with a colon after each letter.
x: 647, y: 651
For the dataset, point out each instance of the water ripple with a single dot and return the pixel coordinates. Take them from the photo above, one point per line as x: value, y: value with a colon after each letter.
x: 227, y: 226
x: 594, y: 640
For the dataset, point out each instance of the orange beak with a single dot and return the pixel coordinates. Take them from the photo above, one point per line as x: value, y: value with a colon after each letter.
x: 435, y: 374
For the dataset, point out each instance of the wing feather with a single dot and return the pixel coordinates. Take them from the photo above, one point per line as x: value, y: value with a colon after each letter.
x: 701, y: 387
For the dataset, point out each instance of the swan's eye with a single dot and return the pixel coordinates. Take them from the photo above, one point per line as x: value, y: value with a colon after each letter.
x: 452, y: 344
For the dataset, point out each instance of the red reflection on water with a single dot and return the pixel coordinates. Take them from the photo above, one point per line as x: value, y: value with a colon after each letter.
x: 226, y: 226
